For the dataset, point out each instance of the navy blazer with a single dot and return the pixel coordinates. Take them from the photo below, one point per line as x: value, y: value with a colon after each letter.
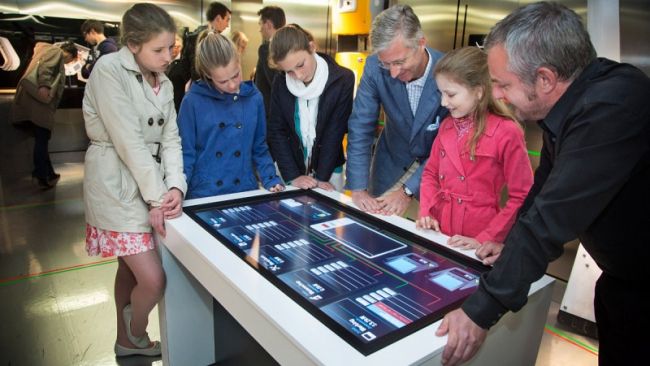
x: 334, y: 108
x: 404, y: 139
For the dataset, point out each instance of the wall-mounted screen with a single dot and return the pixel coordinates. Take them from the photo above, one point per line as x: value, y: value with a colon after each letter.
x: 369, y: 281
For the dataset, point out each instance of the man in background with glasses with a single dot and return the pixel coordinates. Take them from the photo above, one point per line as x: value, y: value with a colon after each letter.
x: 397, y: 77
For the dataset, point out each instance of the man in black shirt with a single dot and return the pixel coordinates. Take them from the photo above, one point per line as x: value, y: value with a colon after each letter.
x: 272, y: 18
x: 593, y: 181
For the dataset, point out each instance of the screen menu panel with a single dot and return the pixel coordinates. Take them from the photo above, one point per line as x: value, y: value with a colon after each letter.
x: 369, y: 281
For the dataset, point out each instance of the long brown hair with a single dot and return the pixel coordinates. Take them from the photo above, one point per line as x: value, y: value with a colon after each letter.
x: 290, y: 38
x: 143, y: 21
x: 468, y: 66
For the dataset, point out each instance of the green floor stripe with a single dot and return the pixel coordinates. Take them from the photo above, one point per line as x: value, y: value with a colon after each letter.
x: 534, y: 153
x: 56, y: 272
x: 569, y: 337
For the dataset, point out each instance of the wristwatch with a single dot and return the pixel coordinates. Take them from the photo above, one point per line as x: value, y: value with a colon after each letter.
x: 407, y: 191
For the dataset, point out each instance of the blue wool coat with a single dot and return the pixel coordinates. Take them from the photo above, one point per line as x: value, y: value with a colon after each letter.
x: 224, y: 141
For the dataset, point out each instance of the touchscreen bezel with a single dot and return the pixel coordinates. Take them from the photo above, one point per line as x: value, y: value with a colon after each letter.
x: 396, y: 231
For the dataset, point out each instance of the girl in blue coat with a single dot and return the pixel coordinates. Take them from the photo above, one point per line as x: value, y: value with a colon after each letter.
x: 222, y: 126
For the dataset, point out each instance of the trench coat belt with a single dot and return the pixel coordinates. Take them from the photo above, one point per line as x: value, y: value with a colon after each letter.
x: 154, y: 147
x: 476, y: 198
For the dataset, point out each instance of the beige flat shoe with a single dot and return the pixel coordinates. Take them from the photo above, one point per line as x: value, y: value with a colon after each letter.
x: 121, y: 351
x: 140, y: 342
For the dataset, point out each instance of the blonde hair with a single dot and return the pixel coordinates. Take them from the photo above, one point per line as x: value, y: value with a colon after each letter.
x: 239, y: 39
x: 213, y: 50
x: 142, y: 22
x: 468, y: 66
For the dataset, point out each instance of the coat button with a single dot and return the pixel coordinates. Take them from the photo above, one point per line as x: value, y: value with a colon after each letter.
x: 150, y: 121
x: 237, y: 153
x: 462, y: 178
x: 442, y: 153
x: 222, y: 125
x: 219, y: 183
x: 160, y: 122
x: 219, y: 154
x: 238, y: 125
x: 442, y: 176
x: 236, y: 181
x: 235, y: 98
x: 459, y: 200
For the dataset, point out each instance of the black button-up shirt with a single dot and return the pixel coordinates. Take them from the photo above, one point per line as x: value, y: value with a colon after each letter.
x: 593, y: 183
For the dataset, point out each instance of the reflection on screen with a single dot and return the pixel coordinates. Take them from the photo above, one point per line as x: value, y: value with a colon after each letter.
x: 358, y: 237
x: 366, y: 282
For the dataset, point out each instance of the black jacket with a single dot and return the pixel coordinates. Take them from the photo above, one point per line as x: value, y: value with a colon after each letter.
x: 334, y: 108
x: 104, y: 48
x: 264, y: 75
x: 593, y: 183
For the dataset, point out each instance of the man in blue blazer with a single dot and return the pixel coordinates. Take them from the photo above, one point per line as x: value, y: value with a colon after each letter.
x: 397, y: 77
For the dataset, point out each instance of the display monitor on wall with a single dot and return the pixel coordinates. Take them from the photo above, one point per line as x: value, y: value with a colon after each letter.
x: 369, y: 281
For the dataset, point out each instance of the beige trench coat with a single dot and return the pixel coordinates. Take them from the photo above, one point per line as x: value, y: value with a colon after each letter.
x: 128, y: 125
x: 49, y: 60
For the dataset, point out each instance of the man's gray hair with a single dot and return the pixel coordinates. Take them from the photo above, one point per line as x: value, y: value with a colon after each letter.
x: 398, y: 20
x: 543, y: 34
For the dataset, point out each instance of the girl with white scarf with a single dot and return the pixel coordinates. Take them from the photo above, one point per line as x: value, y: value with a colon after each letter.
x: 310, y: 105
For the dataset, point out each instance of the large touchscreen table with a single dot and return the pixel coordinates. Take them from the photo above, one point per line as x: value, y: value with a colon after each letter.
x: 369, y: 281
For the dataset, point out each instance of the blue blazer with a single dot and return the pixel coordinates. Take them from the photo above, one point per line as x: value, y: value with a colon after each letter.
x: 224, y: 141
x: 404, y: 138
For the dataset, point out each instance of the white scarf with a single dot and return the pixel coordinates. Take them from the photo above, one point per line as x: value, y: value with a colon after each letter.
x: 308, y: 96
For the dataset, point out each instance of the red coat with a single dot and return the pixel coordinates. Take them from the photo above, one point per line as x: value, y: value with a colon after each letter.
x: 464, y: 195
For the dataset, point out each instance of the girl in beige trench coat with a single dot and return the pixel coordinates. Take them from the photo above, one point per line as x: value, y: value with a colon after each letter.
x: 133, y: 177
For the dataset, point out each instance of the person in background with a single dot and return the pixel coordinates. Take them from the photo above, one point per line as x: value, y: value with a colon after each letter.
x: 218, y: 16
x: 93, y: 32
x: 591, y: 184
x: 479, y: 150
x: 222, y: 126
x: 240, y: 40
x: 311, y: 102
x: 178, y: 47
x: 133, y: 177
x: 34, y: 105
x: 271, y: 19
x: 385, y: 177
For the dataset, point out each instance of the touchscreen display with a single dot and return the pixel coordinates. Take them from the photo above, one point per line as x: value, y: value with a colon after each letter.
x: 369, y: 281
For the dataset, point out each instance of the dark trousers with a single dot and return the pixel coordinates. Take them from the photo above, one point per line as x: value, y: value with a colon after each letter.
x: 622, y: 310
x: 42, y: 164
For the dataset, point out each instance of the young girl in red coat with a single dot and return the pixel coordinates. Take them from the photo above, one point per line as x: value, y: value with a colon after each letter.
x: 479, y: 150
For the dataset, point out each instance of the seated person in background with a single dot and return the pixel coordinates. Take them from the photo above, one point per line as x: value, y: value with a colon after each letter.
x: 310, y: 106
x: 479, y: 150
x: 93, y: 32
x: 222, y: 126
